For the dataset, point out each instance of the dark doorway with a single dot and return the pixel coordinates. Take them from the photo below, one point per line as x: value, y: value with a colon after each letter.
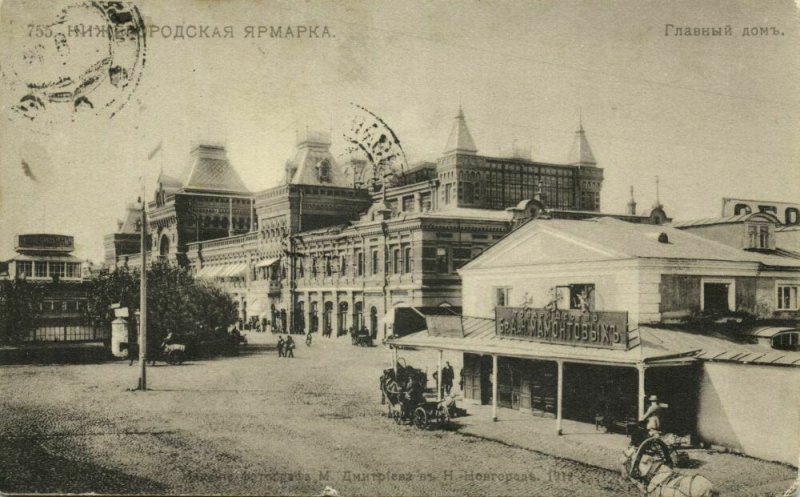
x: 607, y: 391
x: 715, y: 298
x: 677, y: 387
x: 342, y: 319
x: 373, y: 322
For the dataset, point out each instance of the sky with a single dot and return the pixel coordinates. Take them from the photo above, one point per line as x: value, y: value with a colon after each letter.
x: 712, y: 117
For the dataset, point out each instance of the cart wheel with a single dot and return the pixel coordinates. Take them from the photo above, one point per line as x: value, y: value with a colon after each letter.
x: 657, y: 448
x: 175, y: 357
x: 420, y: 418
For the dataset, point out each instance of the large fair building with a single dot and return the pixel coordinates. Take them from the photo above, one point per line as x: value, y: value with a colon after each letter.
x: 332, y: 248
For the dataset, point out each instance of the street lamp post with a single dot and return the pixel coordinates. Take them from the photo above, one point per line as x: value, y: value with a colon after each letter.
x: 143, y: 303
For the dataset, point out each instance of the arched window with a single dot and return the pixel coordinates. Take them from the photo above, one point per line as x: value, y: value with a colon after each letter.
x: 163, y: 246
x: 358, y: 315
x: 324, y: 171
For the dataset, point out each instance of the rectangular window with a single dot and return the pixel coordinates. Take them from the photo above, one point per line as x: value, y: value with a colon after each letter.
x: 407, y: 260
x: 502, y: 296
x: 375, y: 269
x: 343, y: 265
x: 787, y: 298
x: 448, y: 193
x: 360, y: 263
x: 425, y: 201
x: 57, y: 269
x: 442, y: 261
x: 73, y: 270
x: 408, y: 203
x: 40, y: 269
x: 581, y: 296
x: 24, y: 269
x: 396, y: 261
x: 300, y: 269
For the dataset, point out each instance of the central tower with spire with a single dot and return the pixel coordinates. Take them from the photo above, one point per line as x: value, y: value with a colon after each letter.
x: 469, y: 180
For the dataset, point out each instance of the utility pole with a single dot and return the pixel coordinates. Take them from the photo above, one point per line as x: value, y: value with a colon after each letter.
x: 143, y: 300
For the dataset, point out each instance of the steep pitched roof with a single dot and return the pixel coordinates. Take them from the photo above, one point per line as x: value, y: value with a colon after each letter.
x: 460, y: 140
x: 313, y: 164
x: 581, y: 153
x: 210, y: 169
x: 132, y: 216
x: 551, y: 241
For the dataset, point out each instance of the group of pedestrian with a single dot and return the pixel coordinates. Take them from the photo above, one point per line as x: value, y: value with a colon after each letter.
x: 448, y: 374
x: 286, y: 347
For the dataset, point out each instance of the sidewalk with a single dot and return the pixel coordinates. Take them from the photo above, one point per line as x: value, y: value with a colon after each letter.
x: 579, y: 441
x: 583, y: 443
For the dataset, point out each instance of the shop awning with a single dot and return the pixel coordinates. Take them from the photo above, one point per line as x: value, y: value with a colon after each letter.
x: 267, y: 262
x: 207, y: 272
x: 233, y: 270
x: 477, y: 335
x: 653, y: 346
x: 222, y: 271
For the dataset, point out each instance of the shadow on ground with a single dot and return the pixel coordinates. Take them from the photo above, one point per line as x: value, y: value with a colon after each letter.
x: 29, y: 467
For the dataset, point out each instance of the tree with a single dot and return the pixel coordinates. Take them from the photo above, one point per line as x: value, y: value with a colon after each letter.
x: 20, y: 308
x: 176, y: 303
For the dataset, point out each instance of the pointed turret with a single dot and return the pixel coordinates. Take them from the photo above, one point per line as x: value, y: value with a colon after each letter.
x: 460, y: 140
x: 581, y: 153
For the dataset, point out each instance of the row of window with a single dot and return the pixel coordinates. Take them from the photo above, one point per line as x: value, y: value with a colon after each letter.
x: 45, y: 269
x: 442, y: 260
x: 62, y: 306
x: 717, y: 296
x: 401, y: 262
x: 579, y: 296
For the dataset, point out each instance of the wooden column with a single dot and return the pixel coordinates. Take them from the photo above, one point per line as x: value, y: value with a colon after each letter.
x: 494, y: 388
x: 394, y: 360
x: 640, y: 369
x: 439, y: 378
x: 559, y: 395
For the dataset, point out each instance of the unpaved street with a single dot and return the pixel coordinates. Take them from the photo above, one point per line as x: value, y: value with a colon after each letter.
x: 255, y: 424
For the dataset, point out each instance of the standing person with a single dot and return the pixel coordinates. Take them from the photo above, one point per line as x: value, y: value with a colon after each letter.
x: 281, y: 345
x: 289, y: 347
x: 447, y: 378
x: 653, y: 417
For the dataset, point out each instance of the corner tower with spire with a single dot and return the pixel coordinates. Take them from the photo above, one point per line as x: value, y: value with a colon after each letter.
x: 590, y: 177
x: 460, y: 140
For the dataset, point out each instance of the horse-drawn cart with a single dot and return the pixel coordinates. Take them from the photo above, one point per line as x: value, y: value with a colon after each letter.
x: 361, y: 338
x: 403, y: 392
